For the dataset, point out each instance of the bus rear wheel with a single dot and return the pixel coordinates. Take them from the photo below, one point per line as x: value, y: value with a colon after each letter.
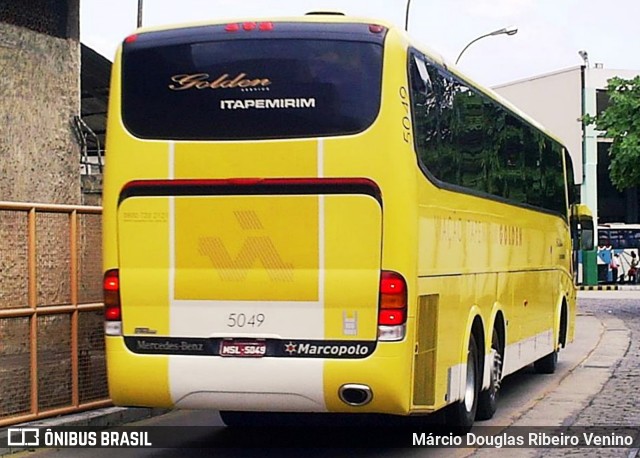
x: 234, y: 419
x: 488, y: 400
x: 547, y: 364
x: 460, y: 415
x: 248, y: 419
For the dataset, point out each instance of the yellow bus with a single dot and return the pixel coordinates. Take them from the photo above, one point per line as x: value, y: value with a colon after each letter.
x: 316, y: 215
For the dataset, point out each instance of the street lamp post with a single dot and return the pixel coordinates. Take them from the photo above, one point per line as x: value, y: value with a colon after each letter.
x: 139, y: 13
x: 589, y: 187
x: 506, y: 31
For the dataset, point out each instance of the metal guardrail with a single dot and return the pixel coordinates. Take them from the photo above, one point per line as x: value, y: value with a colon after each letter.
x: 51, y: 327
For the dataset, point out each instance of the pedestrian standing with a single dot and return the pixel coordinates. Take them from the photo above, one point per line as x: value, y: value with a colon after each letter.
x: 614, y: 265
x: 633, y: 268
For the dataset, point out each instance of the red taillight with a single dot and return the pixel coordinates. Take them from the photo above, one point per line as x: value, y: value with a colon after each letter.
x: 375, y: 28
x: 392, y: 317
x: 249, y: 26
x: 393, y: 299
x: 111, y: 289
x: 392, y: 283
x: 111, y: 281
x: 131, y: 38
x: 112, y: 313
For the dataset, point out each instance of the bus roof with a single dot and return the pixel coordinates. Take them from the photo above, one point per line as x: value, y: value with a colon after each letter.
x: 618, y: 226
x: 336, y: 18
x: 312, y: 18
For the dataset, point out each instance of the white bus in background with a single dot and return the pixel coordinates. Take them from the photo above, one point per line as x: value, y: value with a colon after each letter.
x: 624, y: 239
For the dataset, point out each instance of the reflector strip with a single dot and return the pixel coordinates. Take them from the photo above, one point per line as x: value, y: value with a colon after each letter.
x: 251, y: 186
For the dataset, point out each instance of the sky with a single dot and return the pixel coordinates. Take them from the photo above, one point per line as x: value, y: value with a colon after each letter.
x: 550, y: 32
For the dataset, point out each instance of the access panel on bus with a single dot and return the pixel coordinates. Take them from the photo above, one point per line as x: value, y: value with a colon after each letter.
x: 249, y: 275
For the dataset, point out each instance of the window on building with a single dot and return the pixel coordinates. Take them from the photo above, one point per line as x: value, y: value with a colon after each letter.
x: 602, y: 100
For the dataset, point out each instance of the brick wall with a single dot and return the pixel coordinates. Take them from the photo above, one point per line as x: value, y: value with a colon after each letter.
x: 39, y: 95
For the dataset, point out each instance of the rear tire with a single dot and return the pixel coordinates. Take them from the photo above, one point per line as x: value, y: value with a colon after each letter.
x: 488, y: 399
x: 276, y: 419
x: 547, y: 364
x: 461, y: 414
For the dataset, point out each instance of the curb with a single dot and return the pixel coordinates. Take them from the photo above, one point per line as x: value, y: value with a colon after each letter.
x: 609, y: 288
x: 107, y: 417
x: 599, y: 288
x: 561, y: 405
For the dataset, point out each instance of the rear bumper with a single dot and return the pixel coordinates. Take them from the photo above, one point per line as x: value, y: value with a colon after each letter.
x: 258, y: 384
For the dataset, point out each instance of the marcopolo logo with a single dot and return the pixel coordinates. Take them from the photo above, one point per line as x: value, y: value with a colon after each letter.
x: 328, y: 349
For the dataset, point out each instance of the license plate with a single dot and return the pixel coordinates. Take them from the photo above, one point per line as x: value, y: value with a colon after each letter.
x: 246, y: 349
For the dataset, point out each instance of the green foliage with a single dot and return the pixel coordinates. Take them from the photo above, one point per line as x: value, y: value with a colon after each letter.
x: 621, y: 122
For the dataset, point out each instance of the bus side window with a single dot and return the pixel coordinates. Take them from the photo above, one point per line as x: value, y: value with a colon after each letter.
x: 603, y: 237
x: 420, y: 80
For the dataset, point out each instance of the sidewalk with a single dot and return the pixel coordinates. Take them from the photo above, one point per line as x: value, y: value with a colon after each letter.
x: 577, y: 388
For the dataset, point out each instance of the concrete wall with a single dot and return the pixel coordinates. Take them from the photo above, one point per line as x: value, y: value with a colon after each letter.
x: 554, y: 100
x: 39, y: 95
x: 597, y: 77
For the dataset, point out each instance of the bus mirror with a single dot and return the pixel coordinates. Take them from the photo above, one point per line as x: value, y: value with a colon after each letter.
x: 582, y: 223
x: 586, y: 233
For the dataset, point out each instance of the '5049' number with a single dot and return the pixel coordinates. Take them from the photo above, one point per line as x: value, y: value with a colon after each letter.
x: 241, y: 320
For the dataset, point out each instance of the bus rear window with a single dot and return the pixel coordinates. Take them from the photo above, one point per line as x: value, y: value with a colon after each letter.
x: 251, y: 89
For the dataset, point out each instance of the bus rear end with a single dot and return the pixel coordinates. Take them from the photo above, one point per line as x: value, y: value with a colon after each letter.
x: 243, y: 222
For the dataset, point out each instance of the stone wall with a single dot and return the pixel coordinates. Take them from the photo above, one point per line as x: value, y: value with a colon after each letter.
x: 40, y: 163
x: 39, y: 95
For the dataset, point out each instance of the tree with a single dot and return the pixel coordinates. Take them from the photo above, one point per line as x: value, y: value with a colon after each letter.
x: 621, y: 122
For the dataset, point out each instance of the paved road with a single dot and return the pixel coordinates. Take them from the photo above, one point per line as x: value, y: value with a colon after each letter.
x: 609, y: 377
x: 596, y: 384
x: 618, y: 402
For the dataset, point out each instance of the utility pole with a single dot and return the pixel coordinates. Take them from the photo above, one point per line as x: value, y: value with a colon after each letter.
x: 139, y: 13
x: 406, y: 16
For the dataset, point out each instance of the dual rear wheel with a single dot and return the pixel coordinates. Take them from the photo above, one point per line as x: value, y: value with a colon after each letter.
x: 476, y: 403
x: 460, y: 415
x: 488, y: 401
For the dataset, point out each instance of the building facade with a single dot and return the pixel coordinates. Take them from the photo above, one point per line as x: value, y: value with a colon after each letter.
x: 51, y: 323
x: 39, y: 97
x: 559, y: 100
